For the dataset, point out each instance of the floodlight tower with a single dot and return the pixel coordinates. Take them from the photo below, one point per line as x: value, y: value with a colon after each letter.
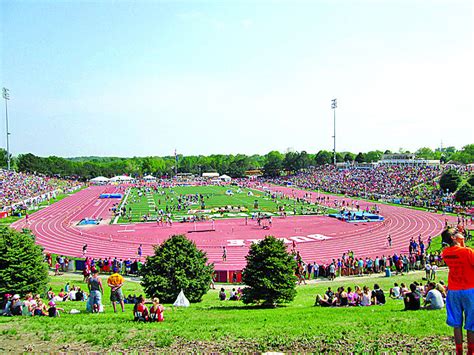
x: 6, y: 96
x: 333, y: 106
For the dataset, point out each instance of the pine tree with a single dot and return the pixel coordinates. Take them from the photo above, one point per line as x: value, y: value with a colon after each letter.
x: 177, y: 264
x: 269, y: 274
x: 22, y: 266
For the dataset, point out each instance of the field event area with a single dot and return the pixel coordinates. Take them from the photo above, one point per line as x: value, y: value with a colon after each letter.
x: 204, y: 202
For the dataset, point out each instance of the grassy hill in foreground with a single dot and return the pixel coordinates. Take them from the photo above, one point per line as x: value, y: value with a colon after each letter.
x: 226, y: 326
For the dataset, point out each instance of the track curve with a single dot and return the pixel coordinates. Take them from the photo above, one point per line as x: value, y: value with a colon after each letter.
x: 318, y: 238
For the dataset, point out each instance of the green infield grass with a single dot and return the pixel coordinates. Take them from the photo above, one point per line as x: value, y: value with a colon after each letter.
x: 230, y: 326
x: 217, y: 202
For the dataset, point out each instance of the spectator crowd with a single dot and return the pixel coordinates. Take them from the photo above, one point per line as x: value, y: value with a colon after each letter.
x: 19, y: 191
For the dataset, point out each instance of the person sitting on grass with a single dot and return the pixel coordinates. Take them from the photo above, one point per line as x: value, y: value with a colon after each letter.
x: 156, y: 311
x: 441, y: 289
x: 460, y: 297
x: 396, y: 292
x: 39, y: 308
x: 342, y: 297
x: 53, y: 311
x: 412, y: 299
x: 28, y: 304
x: 233, y: 295
x: 222, y: 294
x: 434, y: 299
x: 352, y: 297
x: 328, y: 300
x: 16, y: 306
x: 140, y: 312
x: 366, y: 296
x: 378, y: 296
x: 403, y: 289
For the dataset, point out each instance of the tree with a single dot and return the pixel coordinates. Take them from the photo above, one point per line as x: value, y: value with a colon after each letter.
x: 465, y: 193
x: 425, y: 153
x: 290, y: 162
x: 349, y: 157
x: 269, y: 274
x: 465, y: 155
x: 177, y: 264
x: 450, y: 180
x: 360, y: 158
x: 373, y: 156
x: 22, y: 266
x: 470, y: 180
x: 273, y: 163
x: 323, y: 157
x: 3, y: 158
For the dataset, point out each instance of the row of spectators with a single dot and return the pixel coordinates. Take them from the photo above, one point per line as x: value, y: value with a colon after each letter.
x: 22, y: 190
x: 432, y: 294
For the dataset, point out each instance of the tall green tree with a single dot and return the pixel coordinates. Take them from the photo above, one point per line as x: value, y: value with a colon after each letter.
x: 177, y: 264
x: 349, y: 157
x: 465, y: 194
x: 450, y: 180
x: 22, y: 266
x: 269, y: 274
x: 465, y: 155
x: 3, y: 158
x: 373, y: 156
x: 323, y: 157
x: 273, y: 163
x: 360, y: 158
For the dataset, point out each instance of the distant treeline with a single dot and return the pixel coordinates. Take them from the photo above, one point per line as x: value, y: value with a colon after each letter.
x: 272, y: 164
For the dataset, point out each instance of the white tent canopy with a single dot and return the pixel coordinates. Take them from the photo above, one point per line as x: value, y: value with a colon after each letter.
x: 149, y: 178
x: 210, y: 175
x: 225, y: 178
x: 121, y: 178
x: 99, y: 179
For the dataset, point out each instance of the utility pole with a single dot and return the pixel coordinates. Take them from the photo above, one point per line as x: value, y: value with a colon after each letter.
x: 333, y: 106
x: 6, y: 96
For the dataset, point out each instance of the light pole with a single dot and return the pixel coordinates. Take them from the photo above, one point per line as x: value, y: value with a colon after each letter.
x: 333, y: 106
x: 6, y: 96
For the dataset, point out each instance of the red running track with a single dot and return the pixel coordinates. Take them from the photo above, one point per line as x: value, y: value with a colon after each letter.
x: 318, y: 238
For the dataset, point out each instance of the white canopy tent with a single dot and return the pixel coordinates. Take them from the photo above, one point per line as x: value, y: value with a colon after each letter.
x: 149, y: 178
x: 99, y: 180
x: 121, y: 178
x: 225, y: 178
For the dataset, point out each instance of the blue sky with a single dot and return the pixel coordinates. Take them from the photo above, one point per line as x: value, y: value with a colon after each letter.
x: 135, y: 78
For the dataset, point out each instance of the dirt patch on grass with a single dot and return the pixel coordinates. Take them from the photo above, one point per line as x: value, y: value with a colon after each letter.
x: 391, y: 343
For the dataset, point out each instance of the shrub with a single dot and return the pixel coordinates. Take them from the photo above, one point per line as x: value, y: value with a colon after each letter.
x: 22, y: 266
x: 269, y: 274
x: 177, y: 264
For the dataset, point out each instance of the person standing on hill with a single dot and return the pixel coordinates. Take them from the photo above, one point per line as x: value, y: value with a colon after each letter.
x: 115, y: 282
x: 95, y: 291
x: 460, y: 298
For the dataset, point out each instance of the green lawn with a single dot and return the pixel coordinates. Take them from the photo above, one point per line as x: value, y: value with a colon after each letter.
x: 230, y: 326
x: 215, y: 197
